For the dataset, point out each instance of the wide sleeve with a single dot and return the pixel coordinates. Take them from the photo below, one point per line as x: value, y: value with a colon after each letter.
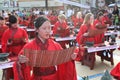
x: 115, y: 72
x: 79, y: 37
x: 55, y: 28
x: 66, y: 71
x: 4, y: 40
x: 22, y: 71
x: 25, y: 35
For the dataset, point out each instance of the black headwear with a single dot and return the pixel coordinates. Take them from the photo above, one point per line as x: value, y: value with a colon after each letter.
x: 1, y: 18
x: 12, y: 19
x: 99, y: 14
x: 39, y: 21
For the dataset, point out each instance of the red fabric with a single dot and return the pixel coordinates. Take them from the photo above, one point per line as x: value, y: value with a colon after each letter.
x: 2, y: 29
x: 31, y: 21
x: 78, y: 22
x: 106, y: 20
x: 53, y: 19
x: 62, y: 25
x: 20, y: 33
x: 24, y: 22
x: 13, y: 50
x: 115, y: 72
x: 99, y: 37
x: 78, y: 58
x: 20, y: 20
x: 65, y: 71
x: 83, y: 29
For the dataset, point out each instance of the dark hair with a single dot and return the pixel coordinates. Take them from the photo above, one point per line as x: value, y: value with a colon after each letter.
x: 1, y: 18
x: 99, y: 14
x: 39, y: 21
x: 12, y: 19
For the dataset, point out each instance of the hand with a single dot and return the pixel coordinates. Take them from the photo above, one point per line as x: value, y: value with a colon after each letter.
x: 9, y: 42
x: 22, y: 59
x: 73, y: 56
x: 85, y: 35
x: 58, y: 28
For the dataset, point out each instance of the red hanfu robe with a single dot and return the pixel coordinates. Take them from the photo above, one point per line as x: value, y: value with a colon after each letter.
x: 2, y: 29
x: 20, y: 21
x: 100, y: 37
x: 53, y: 19
x: 65, y: 71
x: 17, y: 36
x: 106, y: 20
x: 81, y: 40
x: 78, y: 22
x: 61, y: 30
x: 25, y: 23
x: 83, y: 29
x: 115, y: 72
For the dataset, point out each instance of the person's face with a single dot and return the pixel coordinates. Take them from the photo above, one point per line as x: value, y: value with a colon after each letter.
x: 2, y: 22
x: 15, y: 25
x: 91, y: 19
x: 101, y: 3
x: 44, y: 30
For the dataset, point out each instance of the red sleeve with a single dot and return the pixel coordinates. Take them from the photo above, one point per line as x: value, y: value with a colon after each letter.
x: 25, y: 35
x: 22, y: 71
x: 4, y: 40
x: 66, y: 71
x: 116, y: 71
x: 55, y: 28
x: 79, y: 37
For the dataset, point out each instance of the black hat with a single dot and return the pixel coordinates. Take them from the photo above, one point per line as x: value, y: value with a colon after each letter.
x: 39, y: 21
x: 12, y: 19
x: 4, y: 56
x: 1, y: 18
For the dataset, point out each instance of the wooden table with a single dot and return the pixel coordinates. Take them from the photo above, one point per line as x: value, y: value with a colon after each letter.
x: 105, y: 52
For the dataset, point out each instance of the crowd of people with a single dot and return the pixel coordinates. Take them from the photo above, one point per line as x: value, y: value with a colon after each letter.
x: 14, y: 39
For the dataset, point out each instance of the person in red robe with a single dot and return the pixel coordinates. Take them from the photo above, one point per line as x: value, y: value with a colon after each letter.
x: 101, y: 25
x: 65, y: 71
x: 53, y: 17
x: 61, y: 29
x: 78, y: 20
x: 83, y: 35
x: 115, y: 72
x: 106, y: 19
x: 13, y: 40
x: 3, y: 27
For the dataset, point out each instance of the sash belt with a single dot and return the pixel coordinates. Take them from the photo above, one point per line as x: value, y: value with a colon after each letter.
x: 44, y: 72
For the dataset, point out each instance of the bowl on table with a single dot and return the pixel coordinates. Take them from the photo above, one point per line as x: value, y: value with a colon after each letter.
x: 89, y: 44
x: 4, y: 56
